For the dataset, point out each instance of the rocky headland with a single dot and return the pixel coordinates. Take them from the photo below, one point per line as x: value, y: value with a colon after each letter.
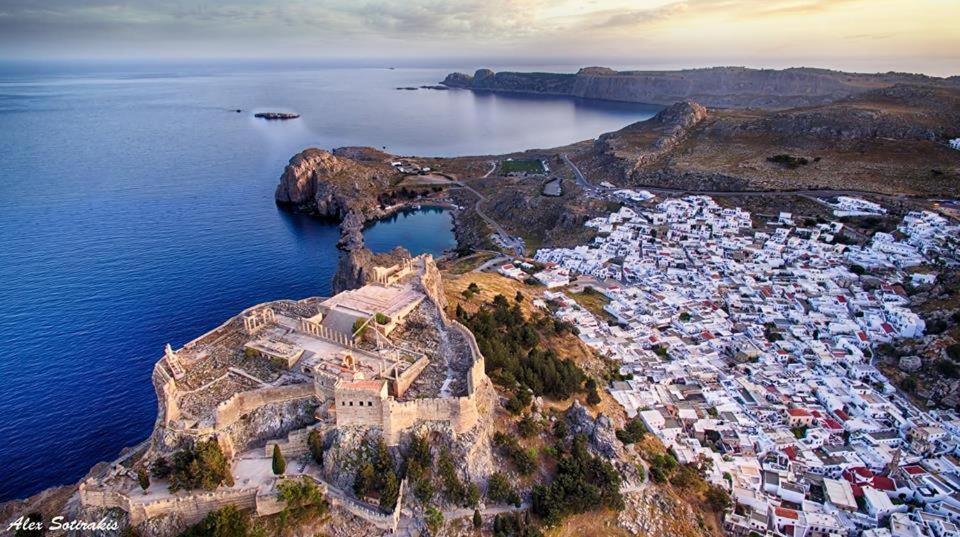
x: 721, y: 87
x: 276, y: 116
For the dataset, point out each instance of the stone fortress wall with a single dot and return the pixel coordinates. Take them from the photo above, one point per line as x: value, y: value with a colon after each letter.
x: 189, y: 508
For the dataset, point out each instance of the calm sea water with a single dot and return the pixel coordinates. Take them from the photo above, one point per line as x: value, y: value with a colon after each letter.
x: 136, y: 209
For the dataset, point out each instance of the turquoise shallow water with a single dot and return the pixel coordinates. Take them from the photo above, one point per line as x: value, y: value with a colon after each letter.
x: 136, y: 209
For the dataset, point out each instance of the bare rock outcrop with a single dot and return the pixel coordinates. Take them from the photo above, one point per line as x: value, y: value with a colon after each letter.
x: 600, y: 432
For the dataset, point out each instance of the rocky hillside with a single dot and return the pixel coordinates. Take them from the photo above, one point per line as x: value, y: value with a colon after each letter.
x: 890, y: 140
x: 722, y: 87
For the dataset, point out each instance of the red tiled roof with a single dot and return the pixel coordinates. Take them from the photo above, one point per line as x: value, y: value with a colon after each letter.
x: 791, y: 452
x: 862, y: 336
x: 831, y: 423
x: 786, y: 513
x: 798, y: 412
x: 887, y: 328
x: 914, y: 470
x: 707, y: 335
x: 884, y: 483
x: 841, y: 415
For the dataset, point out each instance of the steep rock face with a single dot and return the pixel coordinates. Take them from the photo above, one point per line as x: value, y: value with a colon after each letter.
x: 329, y: 185
x: 641, y: 143
x: 724, y: 87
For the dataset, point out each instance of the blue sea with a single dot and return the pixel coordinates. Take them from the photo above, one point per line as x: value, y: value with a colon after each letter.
x: 136, y: 209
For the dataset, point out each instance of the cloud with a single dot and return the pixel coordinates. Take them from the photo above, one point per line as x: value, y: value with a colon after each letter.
x: 638, y: 17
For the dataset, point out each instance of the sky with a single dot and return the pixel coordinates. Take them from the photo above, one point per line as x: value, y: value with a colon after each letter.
x: 855, y: 35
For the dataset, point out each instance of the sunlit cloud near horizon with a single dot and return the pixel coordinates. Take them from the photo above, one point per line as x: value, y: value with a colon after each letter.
x: 862, y: 35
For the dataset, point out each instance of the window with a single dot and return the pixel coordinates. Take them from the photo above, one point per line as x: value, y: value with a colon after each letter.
x: 351, y: 403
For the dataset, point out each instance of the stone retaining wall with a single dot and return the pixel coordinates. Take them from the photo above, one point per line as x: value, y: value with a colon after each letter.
x: 229, y: 411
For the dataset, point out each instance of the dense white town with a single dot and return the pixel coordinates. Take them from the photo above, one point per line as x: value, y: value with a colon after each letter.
x: 750, y: 351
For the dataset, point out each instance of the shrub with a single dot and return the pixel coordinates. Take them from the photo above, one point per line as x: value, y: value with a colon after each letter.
x: 226, y: 521
x: 434, y: 520
x: 201, y: 467
x: 381, y: 318
x: 788, y: 161
x: 909, y: 384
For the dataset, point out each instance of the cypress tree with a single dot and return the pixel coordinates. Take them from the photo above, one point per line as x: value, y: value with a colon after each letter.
x: 143, y: 479
x: 279, y: 463
x: 477, y: 520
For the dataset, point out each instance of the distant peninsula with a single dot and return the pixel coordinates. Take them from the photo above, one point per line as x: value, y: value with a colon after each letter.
x: 716, y: 87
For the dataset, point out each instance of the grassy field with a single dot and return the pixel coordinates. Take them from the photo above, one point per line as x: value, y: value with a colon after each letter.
x: 593, y: 301
x: 521, y: 166
x: 464, y: 265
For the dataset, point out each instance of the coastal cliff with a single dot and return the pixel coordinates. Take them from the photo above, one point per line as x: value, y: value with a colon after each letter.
x: 342, y: 186
x: 720, y: 87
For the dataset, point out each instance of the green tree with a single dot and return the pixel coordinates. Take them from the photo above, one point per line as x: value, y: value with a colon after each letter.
x: 143, y: 479
x: 304, y: 501
x: 390, y: 492
x: 718, y: 499
x: 473, y: 495
x: 279, y: 463
x: 593, y: 395
x: 365, y: 480
x: 477, y: 519
x: 632, y: 432
x: 161, y: 468
x: 518, y: 297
